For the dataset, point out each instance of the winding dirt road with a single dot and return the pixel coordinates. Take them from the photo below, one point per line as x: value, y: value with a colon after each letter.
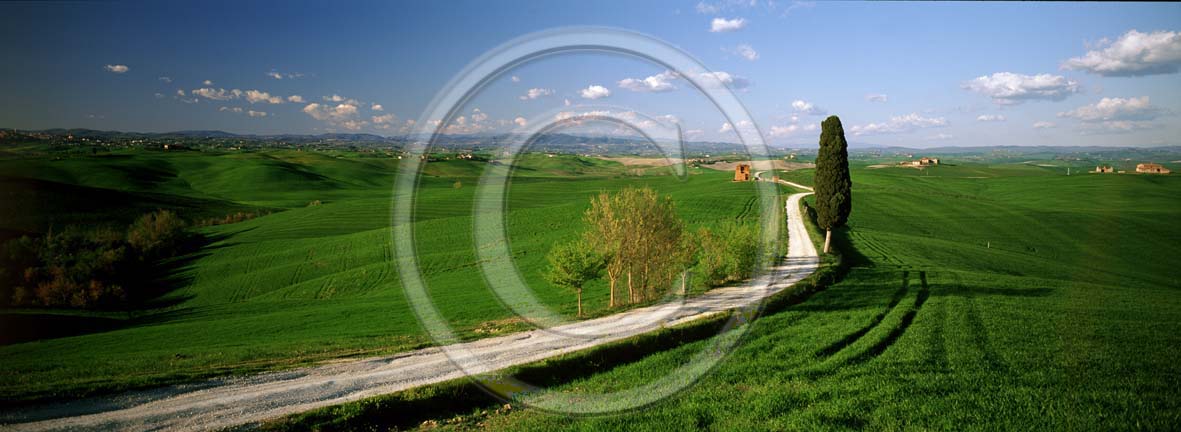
x: 226, y: 402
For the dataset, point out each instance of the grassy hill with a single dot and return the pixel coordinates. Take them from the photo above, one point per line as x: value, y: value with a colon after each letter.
x: 306, y: 282
x: 980, y: 297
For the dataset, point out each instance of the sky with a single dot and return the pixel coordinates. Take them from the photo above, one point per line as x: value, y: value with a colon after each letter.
x: 910, y: 74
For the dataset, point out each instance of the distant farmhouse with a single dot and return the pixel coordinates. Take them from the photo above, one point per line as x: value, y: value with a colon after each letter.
x: 920, y: 162
x: 1151, y: 168
x: 1104, y: 169
x: 742, y: 173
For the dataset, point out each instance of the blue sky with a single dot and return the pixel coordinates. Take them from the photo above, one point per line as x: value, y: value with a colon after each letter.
x: 913, y: 74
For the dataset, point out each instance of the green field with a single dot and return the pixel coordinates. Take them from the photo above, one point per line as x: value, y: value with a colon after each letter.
x: 304, y: 283
x: 977, y: 297
x: 980, y: 297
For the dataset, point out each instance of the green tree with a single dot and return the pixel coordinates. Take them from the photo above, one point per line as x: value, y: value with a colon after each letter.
x: 832, y: 184
x: 572, y: 265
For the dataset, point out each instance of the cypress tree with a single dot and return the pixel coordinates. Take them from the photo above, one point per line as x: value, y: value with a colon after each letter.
x: 833, y: 187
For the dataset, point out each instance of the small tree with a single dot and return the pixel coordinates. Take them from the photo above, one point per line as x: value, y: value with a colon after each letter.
x: 572, y: 265
x: 832, y: 184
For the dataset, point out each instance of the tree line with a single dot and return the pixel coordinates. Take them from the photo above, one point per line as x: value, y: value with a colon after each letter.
x: 90, y: 268
x: 635, y: 240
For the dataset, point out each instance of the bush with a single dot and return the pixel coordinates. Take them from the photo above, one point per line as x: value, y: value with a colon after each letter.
x: 156, y: 234
x: 728, y: 255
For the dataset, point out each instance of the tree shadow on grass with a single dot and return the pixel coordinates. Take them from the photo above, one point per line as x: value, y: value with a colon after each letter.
x: 150, y: 304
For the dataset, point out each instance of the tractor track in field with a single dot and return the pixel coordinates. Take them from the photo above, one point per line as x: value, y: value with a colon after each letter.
x: 979, y: 336
x: 245, y: 400
x: 873, y: 323
x: 881, y: 346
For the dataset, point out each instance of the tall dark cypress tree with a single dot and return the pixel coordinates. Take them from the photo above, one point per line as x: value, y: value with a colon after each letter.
x: 833, y: 187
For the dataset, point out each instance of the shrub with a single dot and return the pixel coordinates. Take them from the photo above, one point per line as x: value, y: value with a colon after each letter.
x: 156, y: 234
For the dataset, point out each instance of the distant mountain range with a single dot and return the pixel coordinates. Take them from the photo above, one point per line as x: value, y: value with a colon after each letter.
x: 577, y: 143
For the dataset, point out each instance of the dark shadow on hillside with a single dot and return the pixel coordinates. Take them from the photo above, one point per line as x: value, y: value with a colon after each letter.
x: 149, y: 305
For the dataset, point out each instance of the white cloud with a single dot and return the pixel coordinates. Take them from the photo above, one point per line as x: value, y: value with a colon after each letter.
x: 256, y: 96
x: 594, y: 92
x: 990, y: 118
x: 940, y: 137
x: 805, y: 107
x: 516, y: 79
x: 180, y: 92
x: 207, y: 82
x: 336, y: 113
x: 479, y: 116
x: 747, y: 52
x: 721, y: 25
x: 520, y: 121
x: 782, y: 131
x: 720, y: 79
x: 234, y: 109
x: 384, y: 119
x: 660, y: 82
x: 899, y: 124
x: 1044, y: 125
x: 727, y: 127
x: 1133, y: 54
x: 279, y: 75
x: 706, y: 8
x: 254, y: 113
x: 295, y: 99
x: 377, y: 107
x: 1115, y: 109
x: 535, y: 93
x: 1006, y: 88
x: 877, y: 97
x: 341, y: 99
x: 165, y: 79
x: 216, y: 94
x: 566, y: 102
x: 117, y: 68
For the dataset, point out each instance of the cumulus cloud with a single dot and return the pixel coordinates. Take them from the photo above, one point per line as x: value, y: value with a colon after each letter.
x: 165, y: 79
x: 535, y: 93
x: 1115, y: 109
x: 341, y: 99
x: 566, y: 102
x: 805, y: 107
x: 478, y: 116
x: 280, y: 75
x: 706, y: 8
x: 216, y: 94
x: 256, y: 96
x: 377, y: 107
x: 207, y: 82
x: 1007, y: 88
x: 118, y: 68
x: 1133, y: 54
x: 254, y: 113
x: 899, y: 124
x: 336, y: 113
x: 1044, y: 125
x: 877, y: 97
x: 233, y: 109
x: 384, y: 119
x: 719, y: 79
x: 515, y: 79
x: 747, y: 52
x: 660, y: 82
x: 722, y: 25
x: 594, y: 92
x: 990, y: 118
x: 782, y: 131
x: 295, y: 99
x: 520, y: 121
x: 727, y: 127
x: 940, y: 137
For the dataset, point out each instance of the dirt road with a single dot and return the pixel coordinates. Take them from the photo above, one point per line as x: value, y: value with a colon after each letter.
x: 226, y: 402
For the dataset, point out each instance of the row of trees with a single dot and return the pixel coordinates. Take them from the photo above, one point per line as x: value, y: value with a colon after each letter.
x: 635, y: 239
x: 96, y: 268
